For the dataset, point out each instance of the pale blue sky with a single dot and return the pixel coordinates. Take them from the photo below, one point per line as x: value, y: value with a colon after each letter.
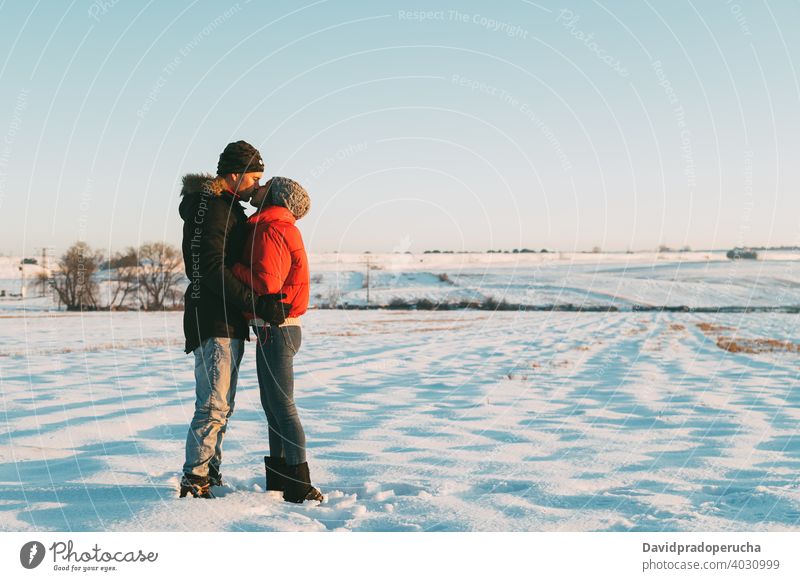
x: 482, y: 125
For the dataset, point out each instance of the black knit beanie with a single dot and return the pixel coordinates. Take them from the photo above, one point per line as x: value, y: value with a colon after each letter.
x: 239, y: 157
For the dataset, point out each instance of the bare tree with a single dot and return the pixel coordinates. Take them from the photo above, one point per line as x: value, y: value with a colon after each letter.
x: 123, y: 274
x: 41, y: 280
x: 159, y: 272
x: 175, y: 296
x: 74, y: 282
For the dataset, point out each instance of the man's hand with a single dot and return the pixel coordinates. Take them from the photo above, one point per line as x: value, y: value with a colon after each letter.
x: 271, y: 309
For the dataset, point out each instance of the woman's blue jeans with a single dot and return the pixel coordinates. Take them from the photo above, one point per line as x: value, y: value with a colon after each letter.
x: 277, y: 347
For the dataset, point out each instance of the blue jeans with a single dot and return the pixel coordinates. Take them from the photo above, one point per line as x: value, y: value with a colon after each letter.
x: 277, y: 347
x: 216, y: 369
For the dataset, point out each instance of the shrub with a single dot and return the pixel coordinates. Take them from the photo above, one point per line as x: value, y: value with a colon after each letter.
x: 426, y: 305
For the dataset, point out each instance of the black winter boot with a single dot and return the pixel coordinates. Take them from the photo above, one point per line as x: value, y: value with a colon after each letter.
x: 298, y: 485
x: 276, y: 468
x: 197, y: 486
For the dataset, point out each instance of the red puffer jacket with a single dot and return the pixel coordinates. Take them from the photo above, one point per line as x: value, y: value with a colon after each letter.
x: 275, y: 259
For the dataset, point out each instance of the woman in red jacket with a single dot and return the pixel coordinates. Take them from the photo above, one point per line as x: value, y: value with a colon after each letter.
x: 275, y: 259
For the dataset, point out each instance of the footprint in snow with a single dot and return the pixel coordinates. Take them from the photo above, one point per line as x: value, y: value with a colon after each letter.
x: 338, y: 512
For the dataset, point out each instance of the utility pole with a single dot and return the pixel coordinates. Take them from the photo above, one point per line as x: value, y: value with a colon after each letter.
x: 45, y: 273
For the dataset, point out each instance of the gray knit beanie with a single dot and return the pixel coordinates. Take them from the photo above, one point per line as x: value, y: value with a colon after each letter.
x: 291, y: 195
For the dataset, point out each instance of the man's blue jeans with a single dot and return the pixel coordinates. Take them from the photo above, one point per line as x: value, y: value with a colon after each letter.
x: 216, y: 369
x: 277, y: 347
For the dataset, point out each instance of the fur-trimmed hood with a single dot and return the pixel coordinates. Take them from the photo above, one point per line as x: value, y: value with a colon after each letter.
x: 194, y: 186
x: 197, y: 183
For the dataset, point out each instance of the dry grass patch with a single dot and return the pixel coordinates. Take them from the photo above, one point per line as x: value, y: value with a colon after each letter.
x: 735, y: 345
x: 712, y: 328
x: 636, y: 330
x: 744, y: 345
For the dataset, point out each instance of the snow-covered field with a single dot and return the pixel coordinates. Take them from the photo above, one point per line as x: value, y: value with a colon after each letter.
x: 428, y: 421
x: 693, y: 279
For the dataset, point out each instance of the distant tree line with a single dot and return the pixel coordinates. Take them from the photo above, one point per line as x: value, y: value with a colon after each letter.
x: 774, y: 247
x: 665, y: 248
x: 143, y: 278
x: 513, y: 251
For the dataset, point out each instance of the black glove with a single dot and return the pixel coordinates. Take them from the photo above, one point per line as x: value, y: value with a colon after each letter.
x: 271, y: 309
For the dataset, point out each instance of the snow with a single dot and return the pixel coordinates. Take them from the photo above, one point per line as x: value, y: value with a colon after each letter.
x: 581, y: 279
x: 428, y: 421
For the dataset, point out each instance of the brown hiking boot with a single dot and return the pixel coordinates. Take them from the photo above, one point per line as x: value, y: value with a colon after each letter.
x: 197, y: 486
